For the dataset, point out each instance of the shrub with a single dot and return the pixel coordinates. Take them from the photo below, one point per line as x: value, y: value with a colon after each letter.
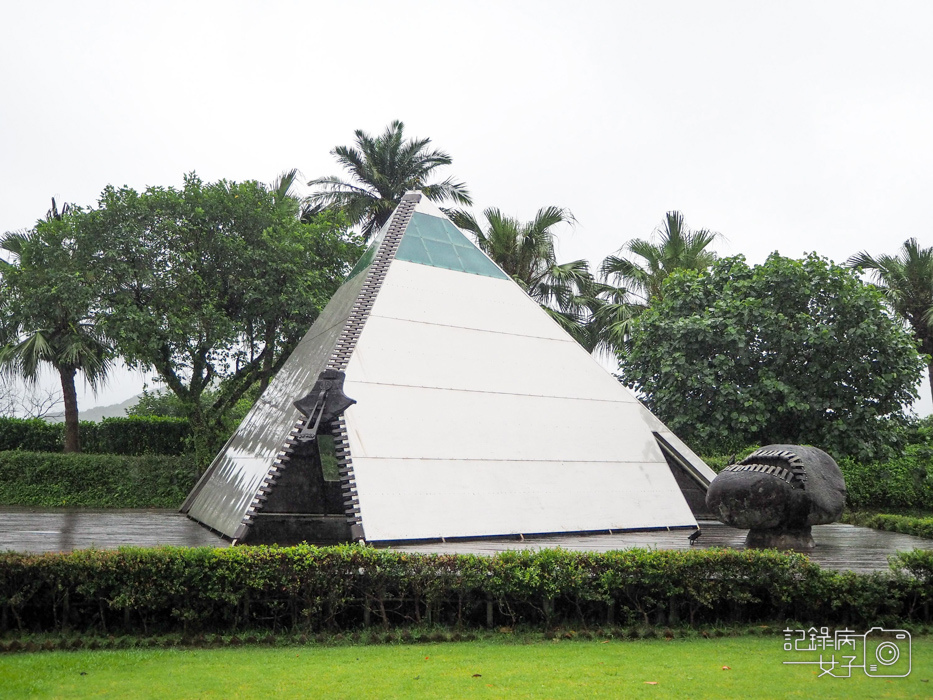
x: 49, y: 479
x: 906, y: 525
x: 32, y: 434
x: 136, y: 435
x: 903, y: 482
x: 310, y: 588
x: 133, y: 435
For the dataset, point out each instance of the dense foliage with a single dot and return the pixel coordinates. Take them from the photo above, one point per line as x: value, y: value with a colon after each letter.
x: 310, y: 588
x: 788, y: 351
x: 211, y: 285
x: 904, y: 481
x: 121, y: 436
x: 48, y: 479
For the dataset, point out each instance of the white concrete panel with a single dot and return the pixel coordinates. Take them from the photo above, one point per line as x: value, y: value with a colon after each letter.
x: 396, y: 422
x: 392, y: 351
x: 426, y: 206
x: 421, y: 499
x: 422, y: 293
x: 655, y: 424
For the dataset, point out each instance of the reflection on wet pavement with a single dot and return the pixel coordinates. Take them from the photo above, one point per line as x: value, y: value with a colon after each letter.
x: 840, y: 547
x: 38, y: 530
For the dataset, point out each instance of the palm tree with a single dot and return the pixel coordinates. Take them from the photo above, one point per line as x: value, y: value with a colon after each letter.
x: 606, y: 326
x: 525, y: 252
x: 47, y: 310
x: 907, y: 282
x: 676, y: 248
x: 382, y: 170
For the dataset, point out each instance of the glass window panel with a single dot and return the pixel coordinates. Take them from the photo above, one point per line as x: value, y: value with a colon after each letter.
x: 412, y: 250
x: 443, y: 255
x: 431, y: 240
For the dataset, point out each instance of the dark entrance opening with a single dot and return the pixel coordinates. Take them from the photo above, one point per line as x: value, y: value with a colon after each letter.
x: 692, y: 484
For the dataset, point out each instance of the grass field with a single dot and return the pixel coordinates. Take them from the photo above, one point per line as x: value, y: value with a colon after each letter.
x: 496, y: 668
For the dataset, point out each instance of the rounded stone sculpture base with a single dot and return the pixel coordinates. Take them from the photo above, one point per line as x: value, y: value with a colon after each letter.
x: 780, y: 539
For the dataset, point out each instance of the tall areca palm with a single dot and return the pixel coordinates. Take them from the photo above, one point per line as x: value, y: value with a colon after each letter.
x: 907, y: 281
x: 382, y: 169
x: 47, y: 313
x: 676, y: 248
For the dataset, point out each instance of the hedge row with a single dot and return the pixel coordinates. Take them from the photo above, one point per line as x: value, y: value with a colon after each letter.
x: 907, y: 525
x: 306, y: 588
x: 134, y: 435
x: 49, y: 479
x: 903, y: 482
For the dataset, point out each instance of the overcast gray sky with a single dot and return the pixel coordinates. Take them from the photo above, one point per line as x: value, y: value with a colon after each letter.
x: 789, y: 126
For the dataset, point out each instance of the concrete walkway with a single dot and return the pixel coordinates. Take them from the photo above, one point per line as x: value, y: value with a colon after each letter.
x: 40, y: 530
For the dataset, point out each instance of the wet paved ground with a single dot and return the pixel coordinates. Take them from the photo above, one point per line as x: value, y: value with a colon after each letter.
x: 65, y: 529
x: 841, y: 547
x: 838, y: 546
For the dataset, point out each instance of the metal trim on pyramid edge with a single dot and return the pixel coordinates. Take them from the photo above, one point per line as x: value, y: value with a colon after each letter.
x: 338, y: 361
x: 347, y: 342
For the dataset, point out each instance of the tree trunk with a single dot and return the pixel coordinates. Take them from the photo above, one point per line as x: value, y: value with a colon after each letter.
x: 70, y: 396
x: 930, y: 375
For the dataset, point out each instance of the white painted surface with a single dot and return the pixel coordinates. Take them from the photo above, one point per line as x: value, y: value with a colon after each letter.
x: 439, y: 296
x: 414, y: 498
x: 477, y: 415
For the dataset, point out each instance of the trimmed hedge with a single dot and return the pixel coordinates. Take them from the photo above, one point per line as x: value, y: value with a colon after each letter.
x: 133, y: 435
x: 33, y: 434
x: 905, y: 524
x: 903, y: 482
x: 307, y: 588
x: 50, y: 479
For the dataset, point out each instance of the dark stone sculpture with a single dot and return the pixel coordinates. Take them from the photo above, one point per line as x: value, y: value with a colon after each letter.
x: 323, y: 403
x: 778, y: 492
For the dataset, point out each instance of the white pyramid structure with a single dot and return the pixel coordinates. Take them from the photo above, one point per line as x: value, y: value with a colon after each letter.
x: 476, y: 415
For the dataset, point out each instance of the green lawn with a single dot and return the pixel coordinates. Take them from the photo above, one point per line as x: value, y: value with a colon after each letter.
x: 484, y: 669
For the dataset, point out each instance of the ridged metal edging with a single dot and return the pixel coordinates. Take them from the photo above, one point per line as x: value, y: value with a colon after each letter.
x: 344, y: 347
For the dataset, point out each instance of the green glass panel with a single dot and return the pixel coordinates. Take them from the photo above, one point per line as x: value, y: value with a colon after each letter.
x: 429, y: 227
x: 474, y: 261
x: 366, y: 259
x: 443, y: 254
x: 412, y: 250
x: 430, y: 240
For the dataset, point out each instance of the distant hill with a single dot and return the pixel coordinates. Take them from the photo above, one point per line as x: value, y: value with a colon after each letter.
x: 98, y: 413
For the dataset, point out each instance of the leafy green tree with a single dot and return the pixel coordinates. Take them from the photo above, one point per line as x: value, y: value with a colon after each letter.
x: 212, y: 285
x: 788, y: 351
x: 48, y: 315
x: 382, y: 169
x: 676, y: 248
x: 165, y: 404
x: 907, y: 282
